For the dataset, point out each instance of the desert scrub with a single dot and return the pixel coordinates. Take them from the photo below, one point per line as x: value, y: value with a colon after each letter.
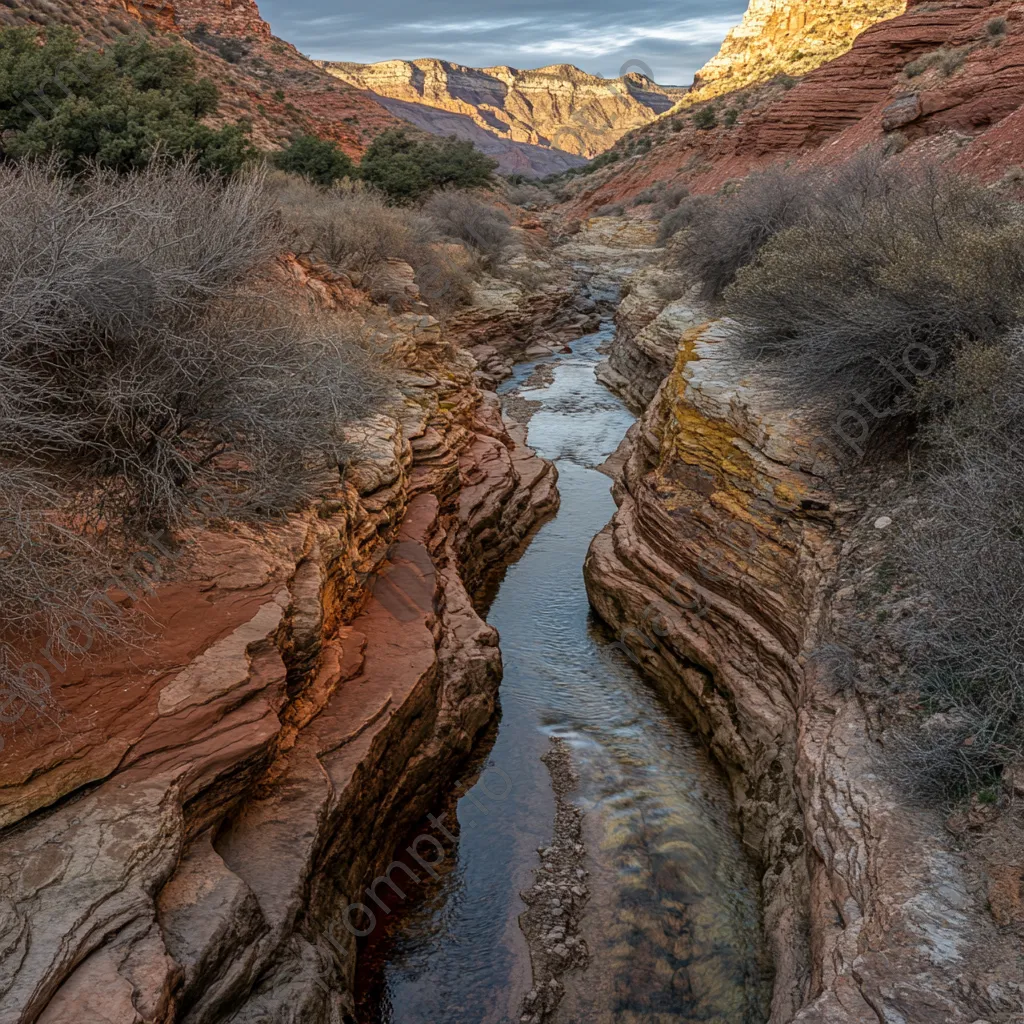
x: 355, y: 229
x: 140, y: 364
x: 472, y: 220
x: 319, y: 161
x: 147, y: 384
x: 727, y: 233
x: 948, y: 60
x: 883, y: 266
x: 965, y: 646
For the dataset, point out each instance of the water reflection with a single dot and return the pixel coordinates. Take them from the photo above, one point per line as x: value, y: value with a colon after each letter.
x: 672, y: 924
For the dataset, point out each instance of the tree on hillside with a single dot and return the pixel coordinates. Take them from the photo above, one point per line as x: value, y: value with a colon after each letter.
x: 117, y: 108
x: 319, y: 161
x: 406, y: 167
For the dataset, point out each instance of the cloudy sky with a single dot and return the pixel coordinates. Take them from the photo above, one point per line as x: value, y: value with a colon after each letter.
x: 672, y: 38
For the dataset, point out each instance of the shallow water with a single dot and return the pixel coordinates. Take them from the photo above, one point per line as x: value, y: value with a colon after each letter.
x: 672, y: 923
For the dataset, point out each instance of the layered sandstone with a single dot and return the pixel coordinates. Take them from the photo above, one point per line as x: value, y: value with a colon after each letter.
x: 970, y: 117
x: 725, y: 572
x: 188, y: 821
x: 787, y: 37
x: 558, y: 107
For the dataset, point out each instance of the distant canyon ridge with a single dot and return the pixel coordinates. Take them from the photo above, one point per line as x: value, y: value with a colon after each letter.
x: 535, y: 122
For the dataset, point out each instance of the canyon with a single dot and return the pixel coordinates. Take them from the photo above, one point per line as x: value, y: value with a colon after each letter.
x: 207, y: 826
x: 559, y: 110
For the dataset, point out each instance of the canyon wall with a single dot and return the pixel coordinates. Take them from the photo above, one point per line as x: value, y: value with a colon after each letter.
x: 558, y: 107
x: 968, y: 114
x: 788, y: 37
x: 731, y: 571
x: 188, y: 825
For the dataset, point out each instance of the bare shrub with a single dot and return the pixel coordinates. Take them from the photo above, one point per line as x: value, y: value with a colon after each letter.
x: 471, y: 220
x: 669, y: 200
x: 136, y: 362
x: 350, y: 229
x: 886, y: 274
x: 690, y: 211
x: 727, y: 235
x: 965, y: 646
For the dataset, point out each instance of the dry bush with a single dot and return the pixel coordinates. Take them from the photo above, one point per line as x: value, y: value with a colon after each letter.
x: 966, y: 646
x: 689, y: 211
x: 887, y: 274
x: 669, y: 200
x: 529, y: 196
x: 471, y: 220
x: 138, y: 366
x: 353, y: 228
x: 726, y: 235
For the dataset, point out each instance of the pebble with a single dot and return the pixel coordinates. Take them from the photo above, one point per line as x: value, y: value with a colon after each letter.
x: 883, y: 522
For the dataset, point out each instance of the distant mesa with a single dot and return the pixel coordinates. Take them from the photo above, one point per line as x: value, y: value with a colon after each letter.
x: 538, y: 121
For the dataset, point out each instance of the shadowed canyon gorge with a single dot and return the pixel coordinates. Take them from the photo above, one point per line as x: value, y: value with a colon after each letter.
x: 576, y: 686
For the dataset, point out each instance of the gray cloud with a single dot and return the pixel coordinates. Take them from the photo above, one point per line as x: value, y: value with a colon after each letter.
x: 671, y: 37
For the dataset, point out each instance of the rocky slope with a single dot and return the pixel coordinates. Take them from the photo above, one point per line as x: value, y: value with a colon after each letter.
x: 187, y: 829
x: 970, y: 116
x: 261, y: 79
x: 558, y: 107
x: 787, y: 37
x: 726, y: 572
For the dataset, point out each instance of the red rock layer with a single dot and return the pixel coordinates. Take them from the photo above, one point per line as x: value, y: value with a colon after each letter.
x: 970, y: 117
x: 223, y: 17
x: 188, y: 824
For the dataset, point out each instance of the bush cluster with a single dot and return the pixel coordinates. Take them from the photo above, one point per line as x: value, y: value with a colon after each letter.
x: 882, y: 266
x: 407, y: 167
x: 138, y: 361
x: 899, y: 289
x: 965, y: 645
x: 356, y: 230
x: 146, y: 382
x: 118, y: 108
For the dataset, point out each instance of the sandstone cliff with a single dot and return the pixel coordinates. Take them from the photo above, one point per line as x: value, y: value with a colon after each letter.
x: 726, y: 572
x: 558, y: 107
x: 187, y: 825
x: 787, y: 37
x: 969, y: 114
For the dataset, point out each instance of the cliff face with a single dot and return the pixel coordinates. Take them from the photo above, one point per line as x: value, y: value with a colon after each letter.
x: 971, y: 116
x: 725, y: 571
x: 558, y: 107
x: 787, y: 37
x: 188, y: 827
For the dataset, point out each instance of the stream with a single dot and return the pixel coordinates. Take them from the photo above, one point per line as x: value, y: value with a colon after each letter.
x: 672, y: 922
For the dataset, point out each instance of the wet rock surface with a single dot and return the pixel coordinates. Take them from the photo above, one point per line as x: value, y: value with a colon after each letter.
x: 558, y: 897
x: 722, y: 570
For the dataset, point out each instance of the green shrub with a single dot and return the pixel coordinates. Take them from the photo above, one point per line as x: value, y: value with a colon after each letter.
x: 406, y: 167
x: 730, y: 117
x: 705, y: 118
x: 116, y: 109
x: 319, y: 161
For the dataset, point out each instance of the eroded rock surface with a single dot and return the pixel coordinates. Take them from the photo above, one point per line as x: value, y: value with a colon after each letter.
x: 190, y: 824
x: 719, y: 571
